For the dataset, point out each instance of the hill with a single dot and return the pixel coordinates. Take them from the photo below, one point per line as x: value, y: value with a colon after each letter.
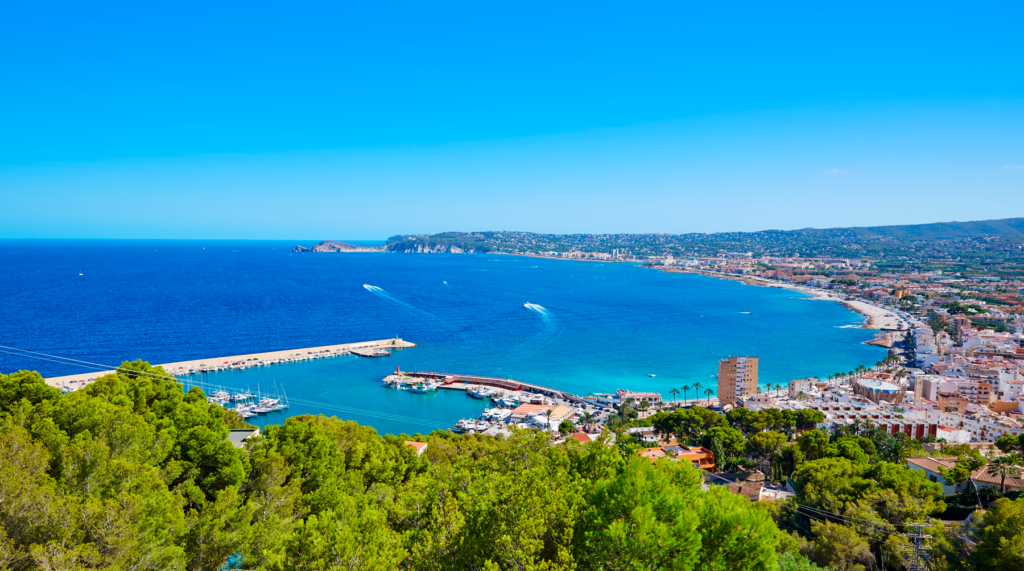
x: 336, y: 246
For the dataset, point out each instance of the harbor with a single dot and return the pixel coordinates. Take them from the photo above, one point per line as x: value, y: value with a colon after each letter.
x: 513, y: 403
x: 379, y: 348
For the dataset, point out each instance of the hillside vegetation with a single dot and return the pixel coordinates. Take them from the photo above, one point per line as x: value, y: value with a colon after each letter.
x: 131, y: 473
x: 954, y: 245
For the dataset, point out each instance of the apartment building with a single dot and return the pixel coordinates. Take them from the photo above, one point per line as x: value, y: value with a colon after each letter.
x: 737, y: 379
x: 984, y: 427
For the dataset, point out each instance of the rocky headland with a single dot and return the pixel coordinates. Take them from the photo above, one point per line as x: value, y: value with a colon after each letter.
x: 336, y: 246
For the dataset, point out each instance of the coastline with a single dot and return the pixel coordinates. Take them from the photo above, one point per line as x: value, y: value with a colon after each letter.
x: 875, y: 318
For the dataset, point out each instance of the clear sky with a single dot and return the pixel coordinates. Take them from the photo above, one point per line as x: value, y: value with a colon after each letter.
x: 363, y: 120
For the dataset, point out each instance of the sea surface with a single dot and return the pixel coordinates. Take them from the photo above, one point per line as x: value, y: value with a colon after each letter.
x: 594, y: 327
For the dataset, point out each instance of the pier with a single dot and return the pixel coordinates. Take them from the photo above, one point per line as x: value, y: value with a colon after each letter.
x: 183, y: 367
x: 498, y: 383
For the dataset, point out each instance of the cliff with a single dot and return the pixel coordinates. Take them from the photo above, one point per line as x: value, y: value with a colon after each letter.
x: 336, y: 246
x: 429, y: 247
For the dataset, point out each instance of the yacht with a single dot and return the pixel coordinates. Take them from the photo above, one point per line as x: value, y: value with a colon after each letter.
x: 480, y: 392
x: 506, y: 401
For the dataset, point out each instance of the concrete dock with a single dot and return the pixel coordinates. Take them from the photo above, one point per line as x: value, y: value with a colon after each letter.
x: 184, y: 366
x: 511, y: 385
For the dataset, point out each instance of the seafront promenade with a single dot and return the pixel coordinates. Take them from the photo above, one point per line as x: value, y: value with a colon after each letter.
x: 363, y: 347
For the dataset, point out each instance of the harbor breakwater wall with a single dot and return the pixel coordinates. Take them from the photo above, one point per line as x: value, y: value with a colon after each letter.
x: 498, y: 383
x: 173, y: 368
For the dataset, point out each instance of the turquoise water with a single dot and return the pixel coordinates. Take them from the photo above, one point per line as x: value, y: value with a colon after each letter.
x: 599, y: 327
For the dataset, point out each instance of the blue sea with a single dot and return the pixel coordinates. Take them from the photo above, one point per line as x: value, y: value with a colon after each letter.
x: 595, y: 327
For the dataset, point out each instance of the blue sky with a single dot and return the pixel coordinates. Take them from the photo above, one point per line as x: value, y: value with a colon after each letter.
x: 313, y: 121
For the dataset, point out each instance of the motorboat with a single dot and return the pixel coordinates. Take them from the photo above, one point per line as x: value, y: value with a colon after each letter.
x: 506, y: 401
x: 480, y: 392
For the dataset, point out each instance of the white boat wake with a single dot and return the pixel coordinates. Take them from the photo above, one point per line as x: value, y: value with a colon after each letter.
x: 538, y: 308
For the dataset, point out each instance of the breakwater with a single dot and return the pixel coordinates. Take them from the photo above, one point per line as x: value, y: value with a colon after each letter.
x: 180, y: 368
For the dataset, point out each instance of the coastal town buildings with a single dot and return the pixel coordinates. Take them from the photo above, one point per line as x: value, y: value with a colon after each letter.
x: 737, y: 379
x: 700, y: 457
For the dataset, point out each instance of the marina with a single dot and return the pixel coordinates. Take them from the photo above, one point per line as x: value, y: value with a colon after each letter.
x: 512, y: 403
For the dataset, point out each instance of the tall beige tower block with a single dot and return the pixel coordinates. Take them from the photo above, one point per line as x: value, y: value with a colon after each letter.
x: 737, y: 379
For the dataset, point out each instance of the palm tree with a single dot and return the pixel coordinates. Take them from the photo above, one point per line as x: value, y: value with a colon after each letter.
x: 895, y: 449
x: 547, y: 413
x: 1002, y: 467
x: 643, y: 406
x: 587, y: 418
x: 801, y: 396
x: 674, y: 392
x: 709, y: 392
x: 685, y: 388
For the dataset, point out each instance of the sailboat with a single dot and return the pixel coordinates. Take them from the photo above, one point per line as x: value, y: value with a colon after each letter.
x: 80, y: 273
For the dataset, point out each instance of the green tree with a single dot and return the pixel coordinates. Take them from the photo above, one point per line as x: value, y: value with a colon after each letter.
x: 840, y: 547
x: 28, y: 385
x: 643, y: 519
x: 356, y: 538
x: 566, y: 427
x: 1011, y: 443
x: 787, y: 460
x: 789, y: 561
x: 967, y: 461
x: 808, y: 418
x: 762, y: 447
x: 1004, y: 466
x: 220, y: 530
x: 813, y: 444
x: 896, y: 449
x: 1000, y: 537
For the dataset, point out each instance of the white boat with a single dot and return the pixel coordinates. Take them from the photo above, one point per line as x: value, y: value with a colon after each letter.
x: 480, y: 392
x: 651, y: 375
x: 465, y: 425
x: 496, y: 414
x: 507, y: 401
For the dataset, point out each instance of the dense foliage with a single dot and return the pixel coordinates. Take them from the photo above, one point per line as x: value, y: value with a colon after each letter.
x: 132, y: 473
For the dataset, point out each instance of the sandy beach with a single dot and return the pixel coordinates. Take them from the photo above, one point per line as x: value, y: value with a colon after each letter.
x: 877, y: 318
